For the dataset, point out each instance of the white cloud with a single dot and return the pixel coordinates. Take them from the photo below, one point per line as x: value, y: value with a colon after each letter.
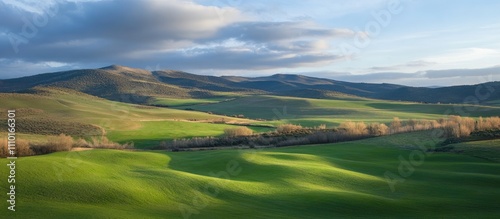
x: 463, y: 55
x: 417, y: 64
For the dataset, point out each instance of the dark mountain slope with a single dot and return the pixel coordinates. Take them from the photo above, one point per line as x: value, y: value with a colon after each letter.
x: 190, y: 81
x: 138, y: 86
x: 456, y: 94
x: 113, y: 82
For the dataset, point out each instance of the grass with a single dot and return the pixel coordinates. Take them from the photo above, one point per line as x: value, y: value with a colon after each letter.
x: 323, y: 181
x: 151, y: 133
x: 57, y: 111
x: 173, y: 102
x: 313, y: 112
x: 486, y: 149
x: 63, y: 109
x: 67, y: 111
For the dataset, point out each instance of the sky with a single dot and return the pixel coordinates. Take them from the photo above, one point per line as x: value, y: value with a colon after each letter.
x: 409, y: 42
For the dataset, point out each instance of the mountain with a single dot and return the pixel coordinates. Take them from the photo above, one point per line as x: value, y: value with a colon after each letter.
x: 113, y: 82
x: 485, y: 92
x: 191, y: 81
x: 126, y: 84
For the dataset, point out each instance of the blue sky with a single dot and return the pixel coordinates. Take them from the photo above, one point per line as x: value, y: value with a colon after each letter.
x: 417, y: 43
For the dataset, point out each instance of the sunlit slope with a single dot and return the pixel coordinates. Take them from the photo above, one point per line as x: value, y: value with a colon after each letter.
x: 54, y: 111
x: 310, y: 112
x: 486, y: 149
x: 327, y: 181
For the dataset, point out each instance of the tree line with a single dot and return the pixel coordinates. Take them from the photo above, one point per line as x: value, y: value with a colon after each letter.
x: 290, y: 134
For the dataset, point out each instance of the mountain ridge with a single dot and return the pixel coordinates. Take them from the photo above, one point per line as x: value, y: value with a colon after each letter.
x: 126, y: 84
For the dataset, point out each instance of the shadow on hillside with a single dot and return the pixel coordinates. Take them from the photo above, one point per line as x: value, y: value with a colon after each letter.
x: 420, y: 108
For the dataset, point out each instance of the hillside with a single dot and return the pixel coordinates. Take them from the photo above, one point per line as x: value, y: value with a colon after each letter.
x: 456, y: 94
x: 323, y: 181
x: 114, y: 83
x: 51, y: 111
x: 335, y: 110
x: 140, y: 86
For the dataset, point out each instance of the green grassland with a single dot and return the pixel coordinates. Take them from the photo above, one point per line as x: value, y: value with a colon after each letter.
x: 494, y: 102
x: 173, y: 102
x: 313, y: 112
x: 152, y: 132
x: 55, y: 111
x: 322, y: 181
x: 486, y: 149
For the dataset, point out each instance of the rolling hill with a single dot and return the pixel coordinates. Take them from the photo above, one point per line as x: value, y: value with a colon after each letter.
x: 140, y: 86
x: 314, y: 181
x: 51, y: 111
x: 114, y: 83
x: 341, y: 180
x: 335, y: 110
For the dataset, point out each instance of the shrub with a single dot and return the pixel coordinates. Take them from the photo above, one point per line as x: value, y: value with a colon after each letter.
x: 458, y: 127
x: 480, y: 124
x: 104, y: 143
x: 412, y: 123
x: 451, y: 130
x: 377, y: 129
x: 22, y: 148
x: 4, y: 147
x: 288, y: 128
x: 61, y: 142
x: 492, y: 123
x: 354, y: 128
x: 240, y: 131
x: 395, y: 125
x: 81, y: 143
x: 320, y: 127
x: 454, y: 126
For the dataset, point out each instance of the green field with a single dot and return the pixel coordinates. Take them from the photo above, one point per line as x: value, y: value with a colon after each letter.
x: 172, y: 102
x: 313, y: 112
x: 481, y: 149
x: 70, y: 112
x: 323, y: 181
x: 494, y: 102
x: 152, y: 132
x: 122, y: 122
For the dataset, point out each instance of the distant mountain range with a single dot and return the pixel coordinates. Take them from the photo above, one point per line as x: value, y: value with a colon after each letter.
x: 138, y: 86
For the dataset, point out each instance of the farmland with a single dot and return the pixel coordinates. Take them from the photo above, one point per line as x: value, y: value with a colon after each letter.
x: 332, y: 180
x: 380, y: 175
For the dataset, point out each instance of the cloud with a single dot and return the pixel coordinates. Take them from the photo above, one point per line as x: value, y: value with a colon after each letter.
x: 245, y: 58
x: 463, y: 55
x: 18, y: 68
x: 129, y: 20
x: 420, y: 78
x: 454, y: 73
x: 381, y: 77
x: 176, y: 33
x: 80, y: 31
x: 412, y: 64
x: 281, y: 31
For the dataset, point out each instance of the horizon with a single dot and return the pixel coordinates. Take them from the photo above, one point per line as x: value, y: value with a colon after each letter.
x: 269, y: 75
x: 385, y: 41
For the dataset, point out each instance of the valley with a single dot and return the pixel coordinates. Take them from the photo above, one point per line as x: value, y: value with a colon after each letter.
x: 230, y: 109
x: 379, y: 174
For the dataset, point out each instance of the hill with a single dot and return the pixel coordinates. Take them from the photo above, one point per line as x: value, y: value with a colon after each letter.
x: 140, y: 86
x: 51, y: 111
x: 456, y: 94
x: 114, y: 83
x: 335, y: 110
x: 323, y: 181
